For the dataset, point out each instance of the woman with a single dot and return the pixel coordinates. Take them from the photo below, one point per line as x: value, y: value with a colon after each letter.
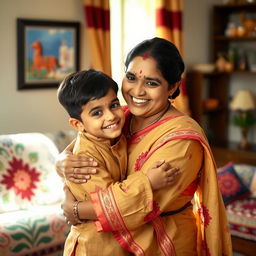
x: 164, y: 222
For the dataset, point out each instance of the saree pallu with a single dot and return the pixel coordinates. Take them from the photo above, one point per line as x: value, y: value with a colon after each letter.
x: 132, y: 212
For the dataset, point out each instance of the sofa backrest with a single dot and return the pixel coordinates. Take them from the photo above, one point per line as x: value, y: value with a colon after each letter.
x: 27, y: 172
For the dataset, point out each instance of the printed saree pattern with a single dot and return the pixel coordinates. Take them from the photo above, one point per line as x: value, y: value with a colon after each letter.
x: 134, y: 212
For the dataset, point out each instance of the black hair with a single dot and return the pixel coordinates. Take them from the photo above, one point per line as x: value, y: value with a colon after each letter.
x: 167, y: 56
x: 79, y: 88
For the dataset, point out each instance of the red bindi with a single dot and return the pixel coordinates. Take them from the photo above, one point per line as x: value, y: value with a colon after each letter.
x: 145, y: 56
x: 140, y: 71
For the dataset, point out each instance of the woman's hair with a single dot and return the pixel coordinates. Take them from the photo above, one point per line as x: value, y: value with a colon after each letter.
x: 79, y: 88
x: 167, y: 56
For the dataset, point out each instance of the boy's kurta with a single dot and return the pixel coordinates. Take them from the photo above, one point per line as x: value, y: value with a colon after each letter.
x: 134, y: 213
x: 84, y: 239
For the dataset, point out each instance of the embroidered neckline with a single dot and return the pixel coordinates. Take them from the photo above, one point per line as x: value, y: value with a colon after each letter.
x: 131, y: 133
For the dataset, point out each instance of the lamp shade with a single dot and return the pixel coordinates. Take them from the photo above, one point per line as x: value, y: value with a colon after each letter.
x: 243, y: 100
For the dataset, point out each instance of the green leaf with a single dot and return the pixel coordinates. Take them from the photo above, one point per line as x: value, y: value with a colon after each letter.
x: 4, y: 152
x: 13, y: 227
x: 19, y: 236
x: 33, y: 157
x: 244, y: 119
x: 6, y: 198
x: 44, y: 240
x: 19, y: 148
x: 1, y: 166
x: 20, y: 247
x: 17, y: 226
x: 41, y: 230
x: 39, y: 220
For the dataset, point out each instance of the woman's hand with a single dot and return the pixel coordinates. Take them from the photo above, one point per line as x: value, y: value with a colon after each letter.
x: 67, y: 206
x: 75, y: 168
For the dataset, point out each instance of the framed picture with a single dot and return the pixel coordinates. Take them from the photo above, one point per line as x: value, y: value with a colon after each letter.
x: 47, y: 52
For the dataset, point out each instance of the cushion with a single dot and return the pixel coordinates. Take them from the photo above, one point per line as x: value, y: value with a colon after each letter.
x: 27, y: 172
x: 231, y: 186
x: 242, y: 218
x: 247, y: 174
x: 38, y: 232
x: 62, y: 138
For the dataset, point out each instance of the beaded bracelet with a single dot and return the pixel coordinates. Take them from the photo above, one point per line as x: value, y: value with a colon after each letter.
x: 75, y: 212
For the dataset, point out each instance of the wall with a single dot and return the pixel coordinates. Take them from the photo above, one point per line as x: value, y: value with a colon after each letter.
x: 39, y: 110
x: 31, y: 110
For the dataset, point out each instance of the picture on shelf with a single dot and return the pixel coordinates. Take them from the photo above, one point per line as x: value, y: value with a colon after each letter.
x: 47, y: 52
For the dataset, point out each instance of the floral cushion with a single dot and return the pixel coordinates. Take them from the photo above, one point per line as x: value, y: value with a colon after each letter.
x: 39, y: 232
x: 27, y: 173
x: 231, y: 186
x: 62, y: 138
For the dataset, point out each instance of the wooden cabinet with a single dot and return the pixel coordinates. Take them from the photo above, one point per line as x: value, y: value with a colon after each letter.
x: 201, y: 88
x: 205, y: 88
x: 230, y: 152
x: 234, y: 34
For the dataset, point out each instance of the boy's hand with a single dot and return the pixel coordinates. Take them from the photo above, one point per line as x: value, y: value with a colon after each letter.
x: 161, y: 174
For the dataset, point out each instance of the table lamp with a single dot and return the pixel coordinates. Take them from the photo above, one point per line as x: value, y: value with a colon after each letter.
x: 243, y: 105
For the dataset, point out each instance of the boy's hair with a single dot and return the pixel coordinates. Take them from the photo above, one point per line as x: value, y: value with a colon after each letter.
x: 81, y: 87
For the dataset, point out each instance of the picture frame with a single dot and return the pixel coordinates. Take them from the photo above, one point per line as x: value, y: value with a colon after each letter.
x: 47, y: 51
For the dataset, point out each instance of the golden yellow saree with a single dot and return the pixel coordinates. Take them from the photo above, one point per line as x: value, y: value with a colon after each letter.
x: 163, y: 222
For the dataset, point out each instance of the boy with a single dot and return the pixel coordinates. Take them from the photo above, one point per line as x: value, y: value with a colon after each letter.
x: 90, y: 98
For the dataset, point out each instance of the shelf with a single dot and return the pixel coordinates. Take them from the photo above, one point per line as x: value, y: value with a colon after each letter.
x: 210, y: 84
x: 217, y: 73
x: 236, y: 7
x: 230, y: 152
x: 229, y: 38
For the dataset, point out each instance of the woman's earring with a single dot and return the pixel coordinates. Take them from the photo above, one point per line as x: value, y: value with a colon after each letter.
x: 171, y: 99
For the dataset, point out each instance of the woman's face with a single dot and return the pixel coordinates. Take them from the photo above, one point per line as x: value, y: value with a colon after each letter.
x: 144, y: 88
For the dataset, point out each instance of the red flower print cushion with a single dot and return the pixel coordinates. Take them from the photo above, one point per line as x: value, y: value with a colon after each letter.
x: 231, y: 186
x: 27, y: 172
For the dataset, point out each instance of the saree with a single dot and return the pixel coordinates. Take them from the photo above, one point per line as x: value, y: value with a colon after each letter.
x: 163, y: 222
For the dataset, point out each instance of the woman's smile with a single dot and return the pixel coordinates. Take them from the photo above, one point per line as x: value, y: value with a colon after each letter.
x: 139, y: 101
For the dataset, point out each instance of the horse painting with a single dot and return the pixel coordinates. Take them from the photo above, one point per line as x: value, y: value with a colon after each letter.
x: 42, y: 66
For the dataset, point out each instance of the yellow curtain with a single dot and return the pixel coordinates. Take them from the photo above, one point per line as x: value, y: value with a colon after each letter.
x: 97, y: 17
x: 169, y: 26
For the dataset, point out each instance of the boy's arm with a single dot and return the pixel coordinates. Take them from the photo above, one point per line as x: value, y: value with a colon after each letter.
x: 161, y: 174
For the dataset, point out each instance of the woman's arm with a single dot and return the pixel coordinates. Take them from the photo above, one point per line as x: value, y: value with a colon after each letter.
x: 74, y: 168
x: 160, y: 175
x: 134, y: 204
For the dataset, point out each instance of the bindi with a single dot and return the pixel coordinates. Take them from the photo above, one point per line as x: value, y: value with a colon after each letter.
x: 145, y: 56
x: 140, y: 73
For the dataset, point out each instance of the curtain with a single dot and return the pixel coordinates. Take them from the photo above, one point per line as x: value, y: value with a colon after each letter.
x: 97, y: 17
x: 169, y: 26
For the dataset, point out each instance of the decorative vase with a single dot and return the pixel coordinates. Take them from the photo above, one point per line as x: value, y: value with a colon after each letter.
x: 244, y: 144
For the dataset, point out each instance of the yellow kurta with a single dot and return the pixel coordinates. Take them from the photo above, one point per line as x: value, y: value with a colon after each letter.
x: 132, y: 212
x: 84, y: 239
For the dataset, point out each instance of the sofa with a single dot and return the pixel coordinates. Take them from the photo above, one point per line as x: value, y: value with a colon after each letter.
x: 237, y: 182
x: 31, y: 220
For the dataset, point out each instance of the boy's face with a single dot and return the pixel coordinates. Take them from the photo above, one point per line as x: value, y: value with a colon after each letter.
x: 103, y: 117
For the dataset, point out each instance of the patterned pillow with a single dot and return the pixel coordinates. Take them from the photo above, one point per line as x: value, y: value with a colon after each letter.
x: 27, y: 173
x: 62, y: 138
x: 247, y: 173
x: 231, y: 186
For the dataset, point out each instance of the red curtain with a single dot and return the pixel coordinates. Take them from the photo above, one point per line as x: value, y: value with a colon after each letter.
x: 97, y: 15
x: 169, y: 26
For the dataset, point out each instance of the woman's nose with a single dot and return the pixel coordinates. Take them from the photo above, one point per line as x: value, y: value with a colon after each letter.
x: 139, y: 89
